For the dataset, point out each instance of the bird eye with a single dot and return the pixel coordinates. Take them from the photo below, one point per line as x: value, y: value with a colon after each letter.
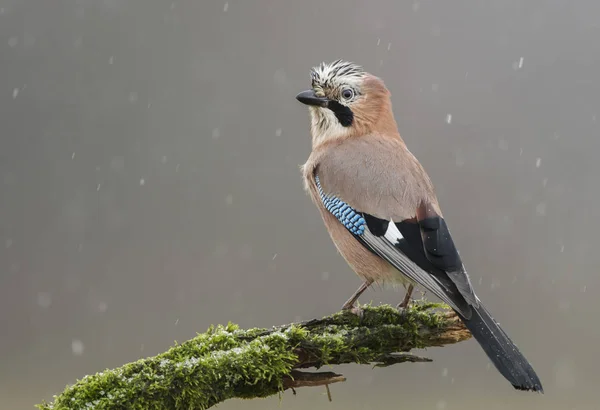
x: 348, y: 93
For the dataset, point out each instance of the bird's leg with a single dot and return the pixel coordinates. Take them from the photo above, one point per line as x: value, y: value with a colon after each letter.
x: 349, y: 305
x: 406, y: 300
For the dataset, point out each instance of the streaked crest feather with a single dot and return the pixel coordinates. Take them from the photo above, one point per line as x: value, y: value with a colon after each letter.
x: 328, y: 75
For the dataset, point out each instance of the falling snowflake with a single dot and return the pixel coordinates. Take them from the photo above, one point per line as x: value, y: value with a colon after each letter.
x: 77, y: 347
x: 517, y: 65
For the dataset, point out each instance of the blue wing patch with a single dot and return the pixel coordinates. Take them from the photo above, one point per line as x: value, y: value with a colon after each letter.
x: 352, y: 220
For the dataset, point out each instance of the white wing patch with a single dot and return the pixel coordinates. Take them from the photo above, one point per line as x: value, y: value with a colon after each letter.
x: 411, y: 270
x: 393, y: 234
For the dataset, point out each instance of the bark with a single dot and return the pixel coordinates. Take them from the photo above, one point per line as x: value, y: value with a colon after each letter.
x: 226, y: 362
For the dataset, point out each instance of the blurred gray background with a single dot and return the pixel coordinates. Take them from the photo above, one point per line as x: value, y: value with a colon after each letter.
x: 149, y: 183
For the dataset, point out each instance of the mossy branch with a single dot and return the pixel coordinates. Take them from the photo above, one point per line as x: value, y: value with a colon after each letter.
x: 227, y: 362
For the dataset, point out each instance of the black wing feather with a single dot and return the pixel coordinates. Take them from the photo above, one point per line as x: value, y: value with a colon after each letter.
x: 408, y: 253
x: 441, y: 252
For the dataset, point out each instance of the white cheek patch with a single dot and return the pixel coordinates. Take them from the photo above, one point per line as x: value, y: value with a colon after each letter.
x: 393, y: 234
x: 325, y: 125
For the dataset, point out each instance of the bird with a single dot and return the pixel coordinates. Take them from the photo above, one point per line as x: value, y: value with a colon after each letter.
x: 380, y: 208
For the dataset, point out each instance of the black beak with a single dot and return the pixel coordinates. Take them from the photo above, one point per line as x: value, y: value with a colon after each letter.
x: 309, y: 97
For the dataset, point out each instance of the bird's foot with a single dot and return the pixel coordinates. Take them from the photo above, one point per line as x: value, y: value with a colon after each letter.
x: 403, y: 305
x: 351, y: 304
x: 406, y: 301
x: 354, y: 309
x: 403, y: 310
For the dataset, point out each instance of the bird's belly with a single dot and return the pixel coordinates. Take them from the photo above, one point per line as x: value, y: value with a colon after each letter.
x: 365, y: 263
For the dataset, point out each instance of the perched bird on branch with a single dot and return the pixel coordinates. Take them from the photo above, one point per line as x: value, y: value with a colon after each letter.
x: 380, y: 208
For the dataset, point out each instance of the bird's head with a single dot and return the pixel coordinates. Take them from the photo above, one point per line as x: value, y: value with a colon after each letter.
x: 346, y: 101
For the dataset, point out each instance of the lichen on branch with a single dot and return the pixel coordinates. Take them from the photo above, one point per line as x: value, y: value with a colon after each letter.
x: 226, y: 362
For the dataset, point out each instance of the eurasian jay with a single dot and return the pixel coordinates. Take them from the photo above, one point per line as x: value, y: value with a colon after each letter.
x: 380, y: 209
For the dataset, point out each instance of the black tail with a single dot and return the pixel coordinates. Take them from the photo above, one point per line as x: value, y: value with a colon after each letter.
x: 502, y: 351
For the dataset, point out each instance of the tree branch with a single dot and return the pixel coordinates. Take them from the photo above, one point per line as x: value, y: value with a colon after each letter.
x: 227, y: 362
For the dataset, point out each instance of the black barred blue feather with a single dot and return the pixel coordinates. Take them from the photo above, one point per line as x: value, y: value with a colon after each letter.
x: 352, y: 220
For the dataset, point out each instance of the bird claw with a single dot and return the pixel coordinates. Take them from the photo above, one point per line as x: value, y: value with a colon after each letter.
x: 354, y: 309
x: 403, y: 308
x: 403, y: 311
x: 402, y: 305
x: 358, y: 311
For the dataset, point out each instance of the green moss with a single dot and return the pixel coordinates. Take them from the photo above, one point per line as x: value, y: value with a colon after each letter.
x: 227, y: 362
